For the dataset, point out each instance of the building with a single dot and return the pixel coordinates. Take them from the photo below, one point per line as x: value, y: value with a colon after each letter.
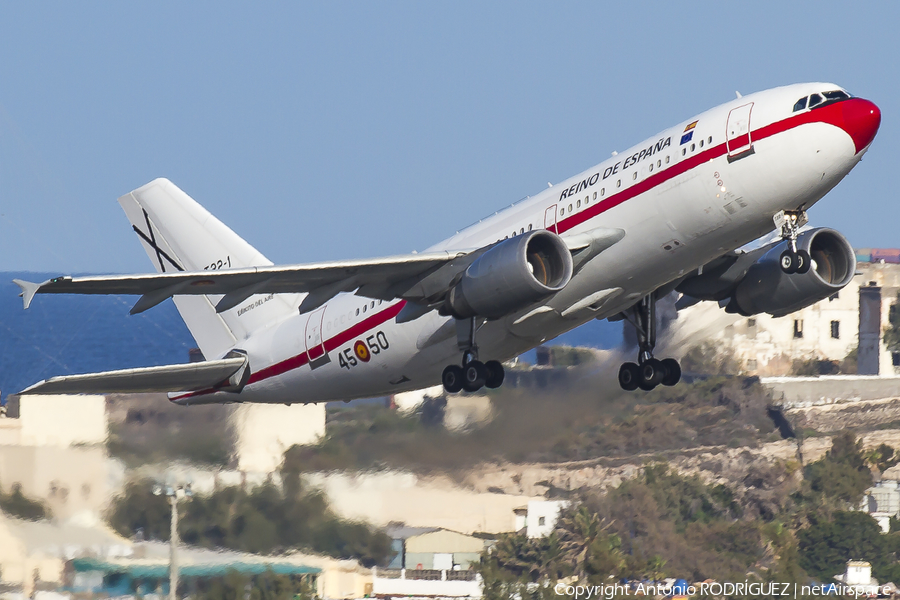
x: 858, y: 576
x: 538, y: 518
x: 882, y: 501
x: 33, y: 554
x: 265, y: 431
x: 827, y: 330
x: 54, y: 448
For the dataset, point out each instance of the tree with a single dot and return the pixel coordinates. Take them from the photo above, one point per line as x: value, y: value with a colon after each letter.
x: 842, y: 474
x: 18, y: 505
x: 827, y: 545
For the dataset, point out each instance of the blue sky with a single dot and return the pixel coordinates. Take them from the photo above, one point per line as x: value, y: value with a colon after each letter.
x: 351, y: 129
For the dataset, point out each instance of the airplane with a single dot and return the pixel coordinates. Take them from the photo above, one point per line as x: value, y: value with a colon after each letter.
x: 673, y: 213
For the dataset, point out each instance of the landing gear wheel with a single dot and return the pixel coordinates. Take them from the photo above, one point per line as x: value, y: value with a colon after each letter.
x: 475, y: 375
x: 495, y: 374
x: 452, y: 379
x: 629, y: 375
x: 789, y: 262
x: 652, y: 374
x: 672, y: 371
x: 803, y: 261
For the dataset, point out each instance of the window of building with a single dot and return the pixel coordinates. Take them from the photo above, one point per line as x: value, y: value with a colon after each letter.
x: 542, y: 521
x: 798, y: 328
x: 751, y: 364
x: 836, y: 330
x: 895, y: 359
x: 751, y: 322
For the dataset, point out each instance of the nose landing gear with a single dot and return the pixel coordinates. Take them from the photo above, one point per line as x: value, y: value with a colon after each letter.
x: 649, y: 372
x: 473, y: 374
x: 792, y: 260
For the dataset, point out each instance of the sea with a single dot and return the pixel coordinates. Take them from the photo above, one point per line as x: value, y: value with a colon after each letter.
x: 69, y: 334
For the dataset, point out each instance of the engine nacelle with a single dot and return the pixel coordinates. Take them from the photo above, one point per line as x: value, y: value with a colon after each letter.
x: 513, y: 274
x: 766, y: 288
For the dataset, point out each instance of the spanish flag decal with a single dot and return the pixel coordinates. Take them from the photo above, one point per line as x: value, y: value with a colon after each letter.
x: 361, y: 351
x: 688, y: 132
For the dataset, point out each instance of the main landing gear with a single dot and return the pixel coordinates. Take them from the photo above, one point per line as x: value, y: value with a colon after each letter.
x: 649, y: 371
x: 792, y: 260
x: 473, y: 374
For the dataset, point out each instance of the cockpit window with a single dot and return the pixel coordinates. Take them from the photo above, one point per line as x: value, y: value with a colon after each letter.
x: 801, y: 104
x: 815, y: 100
x: 835, y: 95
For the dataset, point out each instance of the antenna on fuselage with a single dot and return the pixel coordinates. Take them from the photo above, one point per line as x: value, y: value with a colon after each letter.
x: 738, y: 94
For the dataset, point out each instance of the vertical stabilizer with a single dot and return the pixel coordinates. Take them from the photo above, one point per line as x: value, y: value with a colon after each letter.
x: 180, y: 235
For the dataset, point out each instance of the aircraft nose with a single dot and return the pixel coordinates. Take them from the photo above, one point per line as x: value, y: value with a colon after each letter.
x: 861, y: 121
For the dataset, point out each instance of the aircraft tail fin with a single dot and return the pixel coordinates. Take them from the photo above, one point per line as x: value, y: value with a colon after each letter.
x: 180, y: 235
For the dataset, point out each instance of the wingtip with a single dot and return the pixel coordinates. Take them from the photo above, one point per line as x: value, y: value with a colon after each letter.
x: 29, y: 289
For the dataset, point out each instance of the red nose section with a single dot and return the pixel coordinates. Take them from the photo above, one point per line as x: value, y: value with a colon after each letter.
x: 861, y: 120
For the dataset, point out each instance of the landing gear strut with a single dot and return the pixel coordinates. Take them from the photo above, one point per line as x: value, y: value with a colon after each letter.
x: 649, y: 371
x: 792, y: 260
x: 473, y: 374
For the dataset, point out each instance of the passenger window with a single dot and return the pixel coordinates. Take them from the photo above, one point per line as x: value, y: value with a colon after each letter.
x: 602, y: 191
x: 364, y: 308
x: 570, y: 208
x: 529, y: 227
x: 618, y: 183
x: 578, y: 204
x: 815, y: 100
x: 709, y: 140
x: 683, y: 151
x: 634, y: 175
x: 693, y: 146
x: 562, y: 211
x: 701, y: 143
x: 800, y: 105
x: 595, y: 196
x: 651, y: 167
x: 373, y: 304
x: 357, y: 312
x: 659, y: 163
x: 522, y: 230
x: 667, y: 159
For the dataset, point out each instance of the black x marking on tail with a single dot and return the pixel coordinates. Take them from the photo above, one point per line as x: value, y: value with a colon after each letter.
x: 160, y: 253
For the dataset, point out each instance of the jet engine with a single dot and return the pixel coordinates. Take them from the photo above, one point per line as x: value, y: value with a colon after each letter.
x: 756, y: 283
x: 511, y: 275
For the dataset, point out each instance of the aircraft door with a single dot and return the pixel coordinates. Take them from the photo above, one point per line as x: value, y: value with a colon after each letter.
x: 737, y: 132
x: 550, y: 219
x: 315, y: 340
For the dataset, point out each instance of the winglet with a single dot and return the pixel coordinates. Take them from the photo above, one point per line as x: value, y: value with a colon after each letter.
x: 29, y: 289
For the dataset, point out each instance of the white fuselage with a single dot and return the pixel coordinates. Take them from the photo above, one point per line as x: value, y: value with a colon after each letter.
x: 680, y: 205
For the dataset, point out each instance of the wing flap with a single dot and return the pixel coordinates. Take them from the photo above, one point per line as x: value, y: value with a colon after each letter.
x: 167, y: 378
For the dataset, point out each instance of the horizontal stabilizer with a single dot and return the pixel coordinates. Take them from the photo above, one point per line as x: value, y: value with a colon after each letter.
x: 167, y: 378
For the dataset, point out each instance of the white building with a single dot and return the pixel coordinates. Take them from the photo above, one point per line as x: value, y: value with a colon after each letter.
x: 538, y: 518
x: 265, y: 431
x: 826, y: 330
x: 882, y: 502
x: 859, y: 577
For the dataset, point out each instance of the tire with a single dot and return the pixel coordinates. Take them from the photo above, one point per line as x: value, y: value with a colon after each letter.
x: 672, y: 371
x: 651, y: 374
x: 788, y: 262
x: 629, y: 375
x: 803, y: 261
x: 452, y: 378
x: 495, y: 374
x: 474, y: 376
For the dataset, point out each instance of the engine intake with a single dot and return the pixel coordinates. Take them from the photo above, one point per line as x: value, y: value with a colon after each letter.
x: 512, y: 275
x: 766, y: 288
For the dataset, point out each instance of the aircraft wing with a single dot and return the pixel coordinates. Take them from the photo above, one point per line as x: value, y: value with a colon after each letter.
x: 227, y: 372
x: 423, y: 279
x: 384, y: 278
